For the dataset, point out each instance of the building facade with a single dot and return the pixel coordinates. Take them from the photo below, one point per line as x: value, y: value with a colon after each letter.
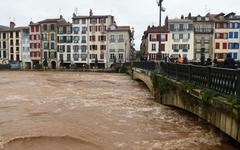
x: 119, y: 45
x: 15, y: 51
x: 90, y: 39
x: 49, y: 41
x: 35, y: 44
x: 181, y: 40
x: 25, y: 48
x: 233, y: 35
x: 203, y: 36
x: 221, y: 37
x: 65, y: 44
x: 4, y: 44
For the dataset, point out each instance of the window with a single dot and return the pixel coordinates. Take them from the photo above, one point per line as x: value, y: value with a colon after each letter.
x: 112, y: 38
x: 120, y: 56
x: 103, y: 47
x: 69, y: 39
x: 235, y: 55
x: 93, y: 21
x: 84, y: 57
x: 101, y: 56
x: 93, y: 56
x: 112, y: 56
x: 52, y: 36
x: 93, y: 47
x: 93, y: 38
x: 75, y: 30
x: 69, y: 30
x: 84, y: 40
x: 68, y: 48
x: 68, y: 57
x: 102, y: 20
x: 84, y: 30
x: 76, y: 39
x: 236, y: 35
x: 217, y: 45
x: 4, y: 54
x: 52, y: 45
x: 45, y: 45
x: 44, y: 27
x: 102, y: 38
x: 76, y: 57
x: 17, y: 42
x: 60, y: 30
x: 76, y: 21
x: 103, y: 28
x: 224, y: 45
x: 44, y: 37
x: 84, y: 21
x: 52, y: 27
x: 153, y: 47
x: 61, y: 57
x: 84, y: 48
x: 175, y: 47
x: 76, y: 48
x: 61, y: 48
x: 120, y: 38
x: 17, y: 34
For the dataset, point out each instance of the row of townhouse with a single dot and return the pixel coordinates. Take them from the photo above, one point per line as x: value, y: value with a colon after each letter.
x: 88, y: 40
x: 194, y: 37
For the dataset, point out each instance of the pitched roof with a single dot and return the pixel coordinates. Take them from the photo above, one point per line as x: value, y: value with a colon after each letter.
x: 4, y: 28
x: 55, y: 20
x: 154, y: 29
x: 95, y: 16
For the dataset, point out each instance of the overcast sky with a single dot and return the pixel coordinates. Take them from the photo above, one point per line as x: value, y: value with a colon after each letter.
x: 135, y: 13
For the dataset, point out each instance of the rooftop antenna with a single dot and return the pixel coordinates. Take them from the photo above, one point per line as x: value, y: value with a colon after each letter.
x: 76, y: 10
x: 206, y: 9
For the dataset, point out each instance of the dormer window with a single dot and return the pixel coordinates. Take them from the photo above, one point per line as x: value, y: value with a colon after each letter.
x: 199, y: 19
x: 207, y: 19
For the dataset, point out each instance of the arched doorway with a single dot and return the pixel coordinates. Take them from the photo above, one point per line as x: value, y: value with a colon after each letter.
x: 53, y: 65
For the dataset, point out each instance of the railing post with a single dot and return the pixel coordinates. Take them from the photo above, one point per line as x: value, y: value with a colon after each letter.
x: 176, y: 71
x: 238, y: 84
x: 189, y: 73
x: 209, y: 79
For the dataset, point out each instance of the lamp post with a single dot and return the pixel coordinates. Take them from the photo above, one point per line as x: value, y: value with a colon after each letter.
x: 161, y: 9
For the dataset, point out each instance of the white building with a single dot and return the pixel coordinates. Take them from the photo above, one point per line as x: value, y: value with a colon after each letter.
x: 4, y: 44
x: 90, y: 39
x: 153, y: 38
x: 181, y: 40
x: 119, y: 45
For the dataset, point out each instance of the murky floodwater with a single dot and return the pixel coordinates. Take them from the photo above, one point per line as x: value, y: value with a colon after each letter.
x: 93, y: 111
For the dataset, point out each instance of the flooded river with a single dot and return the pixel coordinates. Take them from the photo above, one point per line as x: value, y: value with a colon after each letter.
x: 93, y: 111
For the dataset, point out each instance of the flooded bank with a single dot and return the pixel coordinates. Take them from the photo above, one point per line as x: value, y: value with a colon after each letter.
x: 93, y: 111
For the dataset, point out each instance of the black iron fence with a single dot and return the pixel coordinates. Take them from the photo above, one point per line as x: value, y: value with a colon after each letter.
x: 145, y: 65
x: 225, y: 81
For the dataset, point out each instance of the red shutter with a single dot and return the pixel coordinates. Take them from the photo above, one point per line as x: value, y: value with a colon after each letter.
x: 90, y: 47
x: 150, y: 57
x: 150, y: 37
x: 90, y: 38
x: 224, y: 45
x: 217, y: 45
x: 105, y: 28
x: 166, y: 37
x: 90, y: 28
x: 221, y: 35
x: 30, y: 37
x: 99, y: 28
x: 162, y: 47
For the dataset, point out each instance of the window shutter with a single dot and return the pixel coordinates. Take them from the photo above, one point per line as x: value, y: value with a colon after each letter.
x: 166, y: 36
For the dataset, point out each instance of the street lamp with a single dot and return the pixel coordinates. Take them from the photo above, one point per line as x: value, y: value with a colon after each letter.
x: 161, y: 9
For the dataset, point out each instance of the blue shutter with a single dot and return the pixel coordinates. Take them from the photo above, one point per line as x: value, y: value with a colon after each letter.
x: 236, y: 35
x: 230, y: 35
x: 234, y: 55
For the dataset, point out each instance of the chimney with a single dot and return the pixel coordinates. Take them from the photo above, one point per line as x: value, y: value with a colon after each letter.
x: 91, y: 12
x: 12, y: 25
x: 61, y: 16
x: 74, y: 15
x: 166, y: 22
x: 182, y: 17
x: 189, y: 16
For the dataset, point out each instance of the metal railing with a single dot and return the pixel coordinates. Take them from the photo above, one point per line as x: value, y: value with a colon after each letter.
x: 225, y: 81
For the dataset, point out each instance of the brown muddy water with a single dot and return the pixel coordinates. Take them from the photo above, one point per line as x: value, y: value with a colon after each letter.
x: 93, y: 111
